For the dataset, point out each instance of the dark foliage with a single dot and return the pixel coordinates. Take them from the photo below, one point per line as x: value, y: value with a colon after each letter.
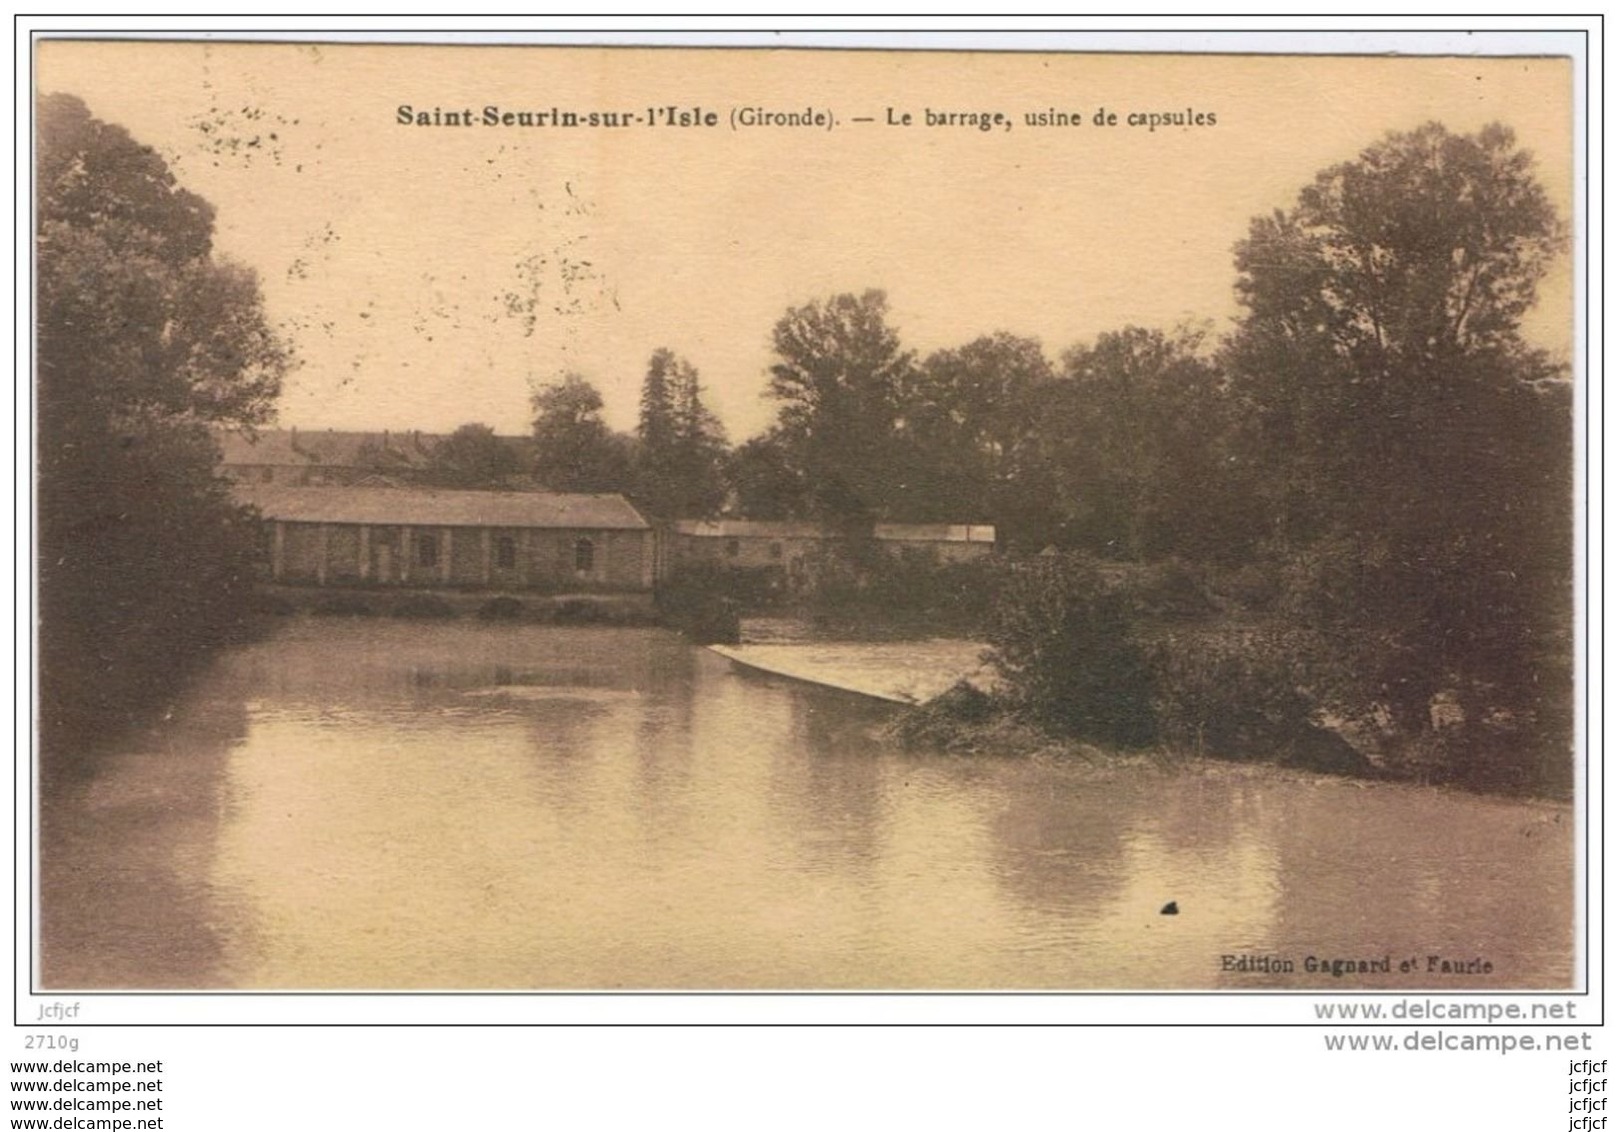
x: 575, y: 451
x: 940, y: 723
x: 1236, y: 693
x: 766, y: 482
x: 502, y: 609
x: 680, y: 461
x: 1065, y: 648
x: 144, y: 340
x: 1138, y: 438
x: 839, y: 375
x: 424, y: 607
x: 1414, y: 452
x: 907, y: 586
x: 705, y: 601
x: 472, y: 457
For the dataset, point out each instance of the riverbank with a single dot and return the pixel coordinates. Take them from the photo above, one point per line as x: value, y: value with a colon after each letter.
x: 439, y: 602
x: 949, y: 685
x: 967, y: 721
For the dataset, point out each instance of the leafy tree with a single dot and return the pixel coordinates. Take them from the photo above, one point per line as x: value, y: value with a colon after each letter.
x: 1372, y: 297
x: 472, y: 457
x: 575, y: 449
x: 838, y: 377
x: 1429, y: 246
x: 989, y: 389
x: 968, y: 434
x: 1414, y: 449
x: 1135, y: 437
x: 766, y: 483
x: 145, y: 339
x: 380, y: 457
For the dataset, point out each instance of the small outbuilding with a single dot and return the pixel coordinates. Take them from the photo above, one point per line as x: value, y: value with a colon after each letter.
x: 948, y: 542
x: 794, y: 548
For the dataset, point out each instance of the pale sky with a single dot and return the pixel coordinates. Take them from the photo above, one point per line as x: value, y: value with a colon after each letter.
x: 428, y: 274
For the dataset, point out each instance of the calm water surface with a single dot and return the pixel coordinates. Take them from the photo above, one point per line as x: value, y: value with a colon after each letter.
x: 395, y: 805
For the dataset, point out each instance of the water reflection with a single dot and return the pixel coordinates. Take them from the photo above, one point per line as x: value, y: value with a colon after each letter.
x: 121, y: 851
x: 395, y: 805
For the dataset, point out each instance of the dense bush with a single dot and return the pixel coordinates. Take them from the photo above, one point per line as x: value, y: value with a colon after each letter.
x: 343, y: 605
x: 501, y: 609
x: 146, y: 570
x: 1066, y: 651
x: 1111, y: 655
x: 424, y: 606
x: 1231, y: 693
x: 941, y: 721
x: 1170, y: 589
x: 910, y: 586
x: 1252, y: 694
x: 703, y: 601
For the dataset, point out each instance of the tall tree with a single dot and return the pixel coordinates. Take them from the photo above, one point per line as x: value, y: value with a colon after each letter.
x: 838, y: 376
x: 576, y: 451
x: 1134, y: 436
x: 145, y: 338
x: 1369, y: 300
x: 700, y: 448
x: 657, y: 426
x: 1415, y: 447
x: 969, y: 422
x: 680, y: 459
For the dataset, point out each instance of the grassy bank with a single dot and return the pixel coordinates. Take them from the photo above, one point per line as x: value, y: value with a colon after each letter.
x: 968, y: 721
x: 1238, y: 663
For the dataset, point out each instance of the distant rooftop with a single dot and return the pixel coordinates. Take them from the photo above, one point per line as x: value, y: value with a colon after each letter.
x: 748, y: 528
x: 886, y: 532
x: 409, y: 506
x: 339, y: 448
x: 273, y: 446
x: 934, y: 532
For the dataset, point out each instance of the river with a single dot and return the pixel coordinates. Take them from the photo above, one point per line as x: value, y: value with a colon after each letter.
x: 386, y: 804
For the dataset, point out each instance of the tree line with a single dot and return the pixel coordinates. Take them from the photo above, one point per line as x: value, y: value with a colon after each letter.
x: 1355, y: 509
x: 1090, y: 453
x: 1355, y: 503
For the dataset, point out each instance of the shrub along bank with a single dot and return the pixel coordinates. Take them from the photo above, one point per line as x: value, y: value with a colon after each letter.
x: 1164, y: 658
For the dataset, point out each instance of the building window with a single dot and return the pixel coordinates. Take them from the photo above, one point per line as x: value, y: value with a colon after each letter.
x: 426, y: 550
x: 584, y: 556
x: 733, y: 547
x: 775, y: 551
x: 505, y: 552
x: 268, y: 475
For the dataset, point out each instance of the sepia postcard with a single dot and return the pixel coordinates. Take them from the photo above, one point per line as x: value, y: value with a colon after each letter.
x: 589, y: 518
